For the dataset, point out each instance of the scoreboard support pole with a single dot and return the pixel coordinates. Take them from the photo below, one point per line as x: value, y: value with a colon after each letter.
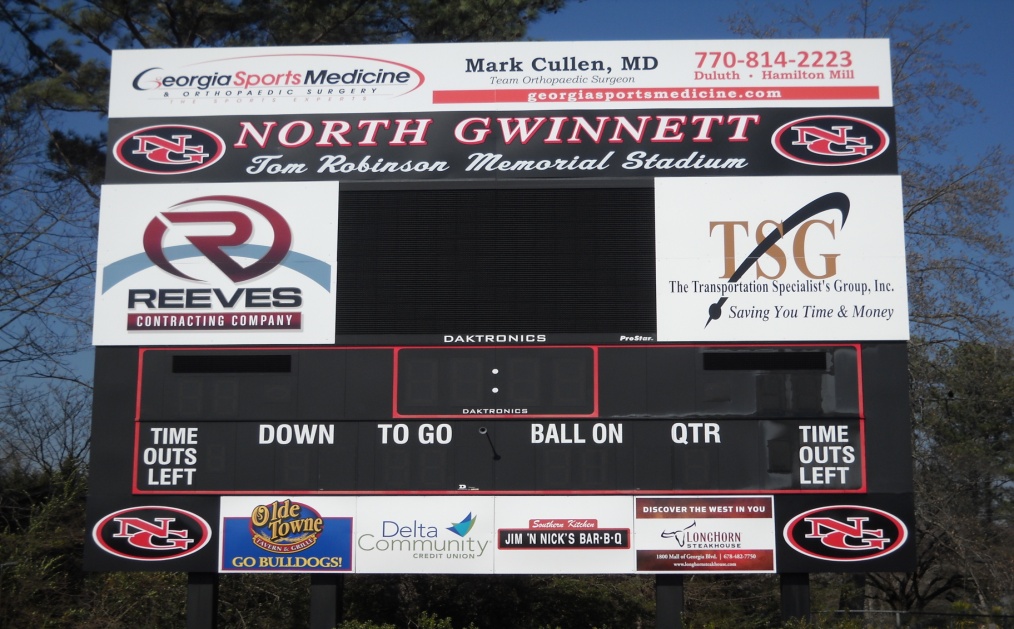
x: 326, y: 592
x: 669, y: 601
x: 202, y: 600
x: 795, y: 590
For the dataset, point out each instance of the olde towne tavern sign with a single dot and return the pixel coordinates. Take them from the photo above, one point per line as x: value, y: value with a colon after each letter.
x: 624, y: 306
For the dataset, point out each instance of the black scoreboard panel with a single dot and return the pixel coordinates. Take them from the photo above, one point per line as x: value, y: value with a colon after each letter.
x: 646, y: 418
x: 556, y: 256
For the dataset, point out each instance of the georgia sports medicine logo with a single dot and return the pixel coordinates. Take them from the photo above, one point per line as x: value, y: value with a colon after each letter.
x: 151, y: 533
x: 169, y: 149
x: 845, y: 533
x: 283, y: 74
x: 830, y: 140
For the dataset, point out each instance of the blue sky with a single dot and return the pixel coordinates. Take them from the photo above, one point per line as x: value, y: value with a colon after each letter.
x: 987, y: 42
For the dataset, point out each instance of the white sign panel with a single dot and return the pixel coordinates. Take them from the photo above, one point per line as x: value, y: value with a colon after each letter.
x: 221, y: 264
x: 705, y: 534
x: 507, y: 76
x: 780, y: 258
x: 587, y: 534
x: 425, y: 534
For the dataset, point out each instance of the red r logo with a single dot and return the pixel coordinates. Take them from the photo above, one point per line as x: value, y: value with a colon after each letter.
x: 211, y: 246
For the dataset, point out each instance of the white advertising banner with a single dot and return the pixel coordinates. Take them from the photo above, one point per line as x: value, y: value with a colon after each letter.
x: 705, y: 534
x: 425, y: 534
x: 221, y: 264
x: 780, y: 259
x: 586, y: 534
x: 505, y: 76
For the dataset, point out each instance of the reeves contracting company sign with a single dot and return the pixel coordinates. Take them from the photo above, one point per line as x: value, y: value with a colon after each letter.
x: 502, y: 308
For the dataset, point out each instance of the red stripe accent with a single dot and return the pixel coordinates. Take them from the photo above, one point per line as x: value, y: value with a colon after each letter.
x: 830, y: 92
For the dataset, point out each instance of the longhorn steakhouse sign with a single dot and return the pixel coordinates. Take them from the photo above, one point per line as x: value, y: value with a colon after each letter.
x: 602, y: 307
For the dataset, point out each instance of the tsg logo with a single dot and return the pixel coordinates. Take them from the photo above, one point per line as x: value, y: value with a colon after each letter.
x: 151, y: 533
x: 212, y: 246
x: 845, y: 533
x: 169, y: 149
x: 830, y: 140
x: 768, y: 244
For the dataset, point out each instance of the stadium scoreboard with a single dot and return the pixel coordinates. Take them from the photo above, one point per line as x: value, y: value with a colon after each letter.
x: 624, y: 326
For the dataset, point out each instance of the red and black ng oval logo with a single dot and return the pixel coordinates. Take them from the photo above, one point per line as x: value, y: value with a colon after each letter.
x: 169, y: 149
x: 830, y: 140
x: 151, y: 533
x: 845, y: 533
